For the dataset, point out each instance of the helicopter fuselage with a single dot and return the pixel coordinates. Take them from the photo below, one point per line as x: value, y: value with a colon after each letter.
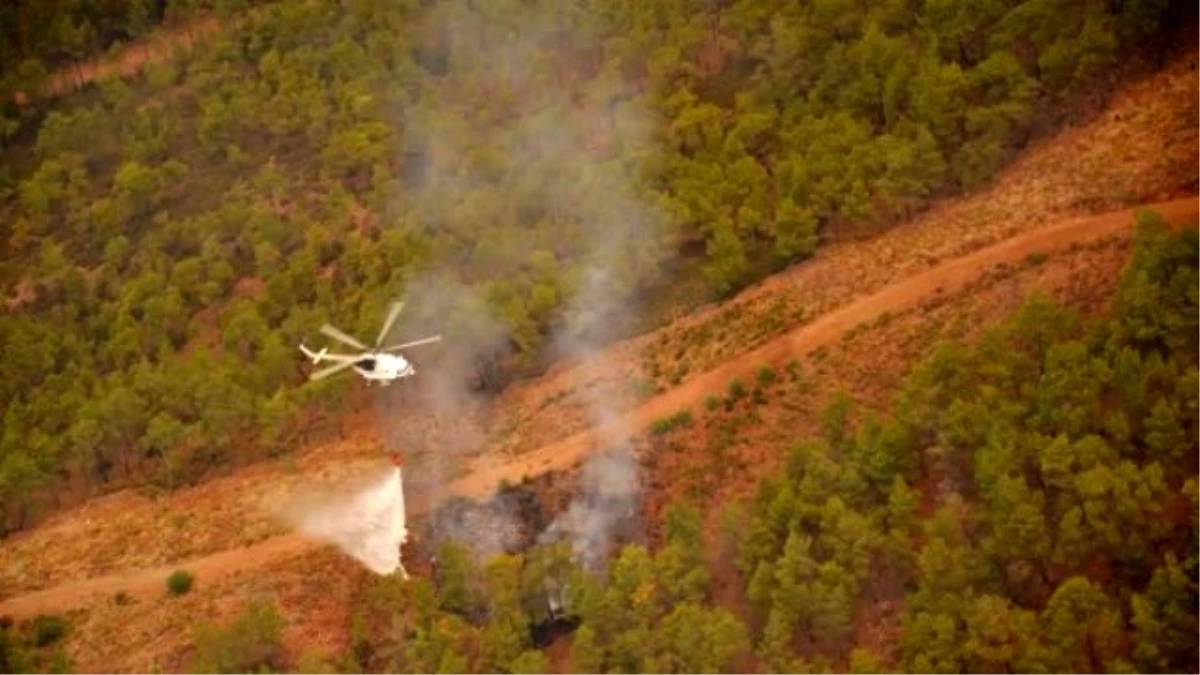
x: 375, y: 363
x: 384, y: 368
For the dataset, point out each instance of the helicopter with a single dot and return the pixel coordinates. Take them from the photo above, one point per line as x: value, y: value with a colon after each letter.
x: 374, y: 364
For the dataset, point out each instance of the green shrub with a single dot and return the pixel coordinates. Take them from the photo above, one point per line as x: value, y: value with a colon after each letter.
x: 766, y: 375
x: 251, y: 643
x: 682, y: 418
x: 180, y: 582
x: 48, y: 630
x: 711, y: 402
x: 793, y: 368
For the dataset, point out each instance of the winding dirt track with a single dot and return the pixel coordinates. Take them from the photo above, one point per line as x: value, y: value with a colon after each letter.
x: 485, y: 476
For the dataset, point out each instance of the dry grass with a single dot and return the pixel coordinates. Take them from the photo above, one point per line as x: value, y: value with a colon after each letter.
x: 1143, y: 148
x: 143, y: 635
x: 130, y: 529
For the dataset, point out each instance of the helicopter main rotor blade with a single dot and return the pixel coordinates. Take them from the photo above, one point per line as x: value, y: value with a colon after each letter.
x: 342, y: 337
x: 326, y: 372
x: 414, y: 343
x: 341, y: 358
x: 393, y: 312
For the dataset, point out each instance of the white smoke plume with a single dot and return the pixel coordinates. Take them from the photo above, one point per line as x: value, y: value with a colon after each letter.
x: 561, y: 140
x: 483, y: 529
x: 530, y: 135
x: 606, y: 504
x: 439, y: 415
x: 610, y: 486
x: 438, y: 418
x: 623, y: 233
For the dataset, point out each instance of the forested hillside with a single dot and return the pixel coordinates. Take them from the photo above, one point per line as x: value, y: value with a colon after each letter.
x: 40, y: 38
x: 169, y: 239
x: 1028, y: 504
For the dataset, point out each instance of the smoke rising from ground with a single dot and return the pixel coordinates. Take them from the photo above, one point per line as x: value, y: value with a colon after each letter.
x: 610, y: 485
x: 439, y: 412
x: 530, y: 138
x: 439, y: 417
x: 604, y: 508
x: 530, y: 134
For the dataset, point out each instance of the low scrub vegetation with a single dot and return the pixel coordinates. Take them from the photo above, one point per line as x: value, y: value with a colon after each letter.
x: 180, y: 582
x: 680, y: 419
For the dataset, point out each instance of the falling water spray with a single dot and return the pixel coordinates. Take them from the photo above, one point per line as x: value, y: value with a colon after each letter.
x: 369, y: 526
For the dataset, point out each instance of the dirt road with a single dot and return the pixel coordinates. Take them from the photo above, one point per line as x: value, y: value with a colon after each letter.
x: 485, y: 476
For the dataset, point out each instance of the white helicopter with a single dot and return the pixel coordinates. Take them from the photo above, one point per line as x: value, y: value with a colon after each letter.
x: 375, y: 364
